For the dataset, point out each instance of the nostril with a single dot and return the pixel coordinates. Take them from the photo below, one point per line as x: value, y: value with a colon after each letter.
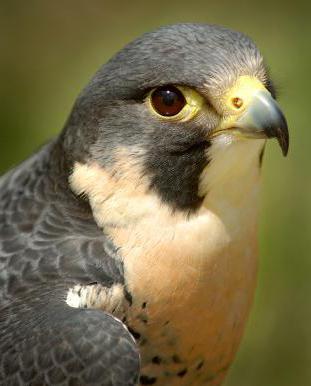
x: 237, y: 102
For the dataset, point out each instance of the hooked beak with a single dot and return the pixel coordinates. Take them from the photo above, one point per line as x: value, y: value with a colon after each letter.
x: 250, y: 111
x: 263, y: 118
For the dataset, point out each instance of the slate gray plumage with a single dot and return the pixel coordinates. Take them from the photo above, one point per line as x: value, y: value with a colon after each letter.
x: 48, y: 243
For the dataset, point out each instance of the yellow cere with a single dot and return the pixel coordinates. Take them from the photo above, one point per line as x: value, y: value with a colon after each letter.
x: 194, y: 103
x: 240, y: 95
x: 235, y: 101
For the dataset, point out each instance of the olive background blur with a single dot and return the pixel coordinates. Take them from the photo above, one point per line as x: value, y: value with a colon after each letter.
x: 50, y: 49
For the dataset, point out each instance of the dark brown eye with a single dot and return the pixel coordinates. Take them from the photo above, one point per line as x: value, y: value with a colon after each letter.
x: 167, y: 101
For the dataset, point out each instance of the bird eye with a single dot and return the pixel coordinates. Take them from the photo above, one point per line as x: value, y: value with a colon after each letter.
x: 175, y: 103
x: 167, y: 100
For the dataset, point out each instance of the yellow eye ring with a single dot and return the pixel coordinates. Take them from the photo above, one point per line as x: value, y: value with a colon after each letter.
x: 174, y: 103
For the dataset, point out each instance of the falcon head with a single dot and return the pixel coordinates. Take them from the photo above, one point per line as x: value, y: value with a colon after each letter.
x: 177, y: 111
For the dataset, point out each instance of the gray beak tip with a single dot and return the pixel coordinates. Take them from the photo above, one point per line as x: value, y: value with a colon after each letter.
x: 280, y: 131
x: 283, y: 140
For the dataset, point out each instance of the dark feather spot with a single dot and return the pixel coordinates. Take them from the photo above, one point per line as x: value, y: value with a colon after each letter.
x: 135, y: 334
x: 182, y: 373
x: 145, y: 380
x: 143, y: 318
x: 144, y: 305
x: 128, y: 296
x: 200, y: 365
x: 261, y: 156
x: 156, y: 360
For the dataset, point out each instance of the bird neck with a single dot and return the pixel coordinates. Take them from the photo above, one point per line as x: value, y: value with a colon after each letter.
x: 230, y: 182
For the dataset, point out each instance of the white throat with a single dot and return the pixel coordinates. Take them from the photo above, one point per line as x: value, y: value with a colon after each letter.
x: 231, y: 181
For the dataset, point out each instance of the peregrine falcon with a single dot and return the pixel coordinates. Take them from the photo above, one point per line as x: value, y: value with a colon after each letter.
x: 128, y: 244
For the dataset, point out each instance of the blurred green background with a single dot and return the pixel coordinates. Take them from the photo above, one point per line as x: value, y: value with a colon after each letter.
x: 49, y: 50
